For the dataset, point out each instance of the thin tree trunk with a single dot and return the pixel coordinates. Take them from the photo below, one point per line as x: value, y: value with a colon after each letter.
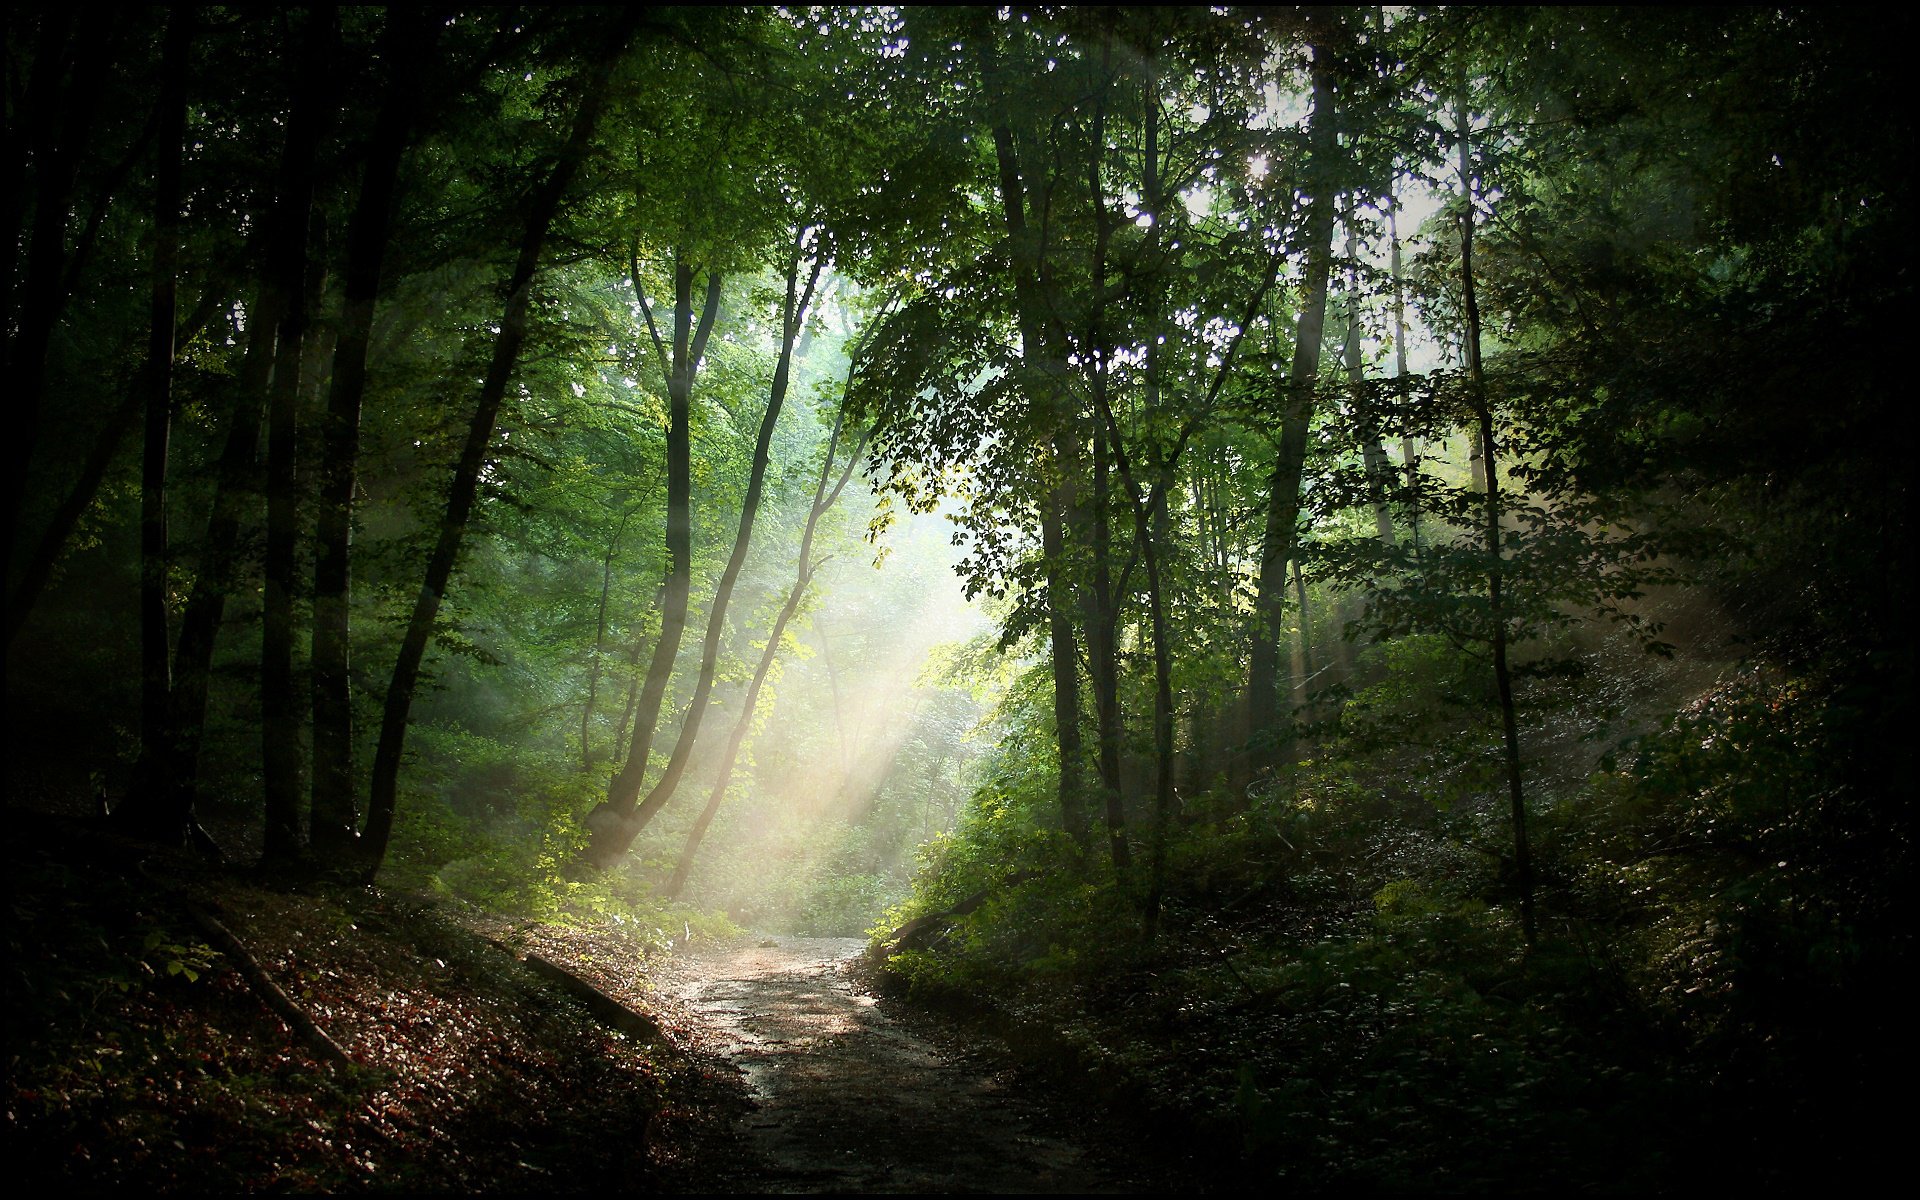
x: 239, y: 460
x: 609, y: 847
x: 297, y: 359
x: 633, y: 693
x: 407, y: 40
x: 1303, y: 645
x: 1042, y: 366
x: 1144, y: 507
x: 543, y: 207
x: 1496, y: 601
x: 1103, y: 660
x: 599, y: 643
x: 106, y: 447
x: 154, y: 810
x: 607, y: 823
x: 823, y: 500
x: 1102, y: 654
x: 1409, y: 449
x: 58, y: 146
x: 1372, y: 454
x: 1283, y: 484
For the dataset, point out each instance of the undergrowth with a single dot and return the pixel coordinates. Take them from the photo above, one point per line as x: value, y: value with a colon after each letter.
x: 1340, y: 996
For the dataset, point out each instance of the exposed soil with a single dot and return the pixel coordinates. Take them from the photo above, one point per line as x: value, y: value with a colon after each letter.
x: 139, y: 1058
x: 853, y: 1096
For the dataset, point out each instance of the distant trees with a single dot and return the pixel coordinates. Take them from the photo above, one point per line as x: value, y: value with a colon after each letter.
x: 1149, y: 272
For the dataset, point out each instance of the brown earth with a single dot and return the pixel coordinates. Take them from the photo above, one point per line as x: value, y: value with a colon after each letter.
x: 139, y: 1057
x: 852, y: 1094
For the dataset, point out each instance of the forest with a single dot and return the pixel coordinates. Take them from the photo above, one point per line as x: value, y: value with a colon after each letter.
x: 1306, y: 594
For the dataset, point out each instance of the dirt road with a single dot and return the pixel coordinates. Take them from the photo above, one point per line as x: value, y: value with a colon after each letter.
x: 851, y: 1099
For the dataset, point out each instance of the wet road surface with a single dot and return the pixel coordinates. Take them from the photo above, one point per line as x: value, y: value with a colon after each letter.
x: 849, y: 1099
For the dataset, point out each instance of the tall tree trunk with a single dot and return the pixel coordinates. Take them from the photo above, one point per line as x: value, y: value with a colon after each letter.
x: 1283, y: 484
x: 38, y: 571
x: 1409, y: 448
x: 310, y: 111
x: 824, y: 499
x: 1103, y: 659
x: 154, y: 810
x: 1373, y: 455
x: 543, y: 206
x: 599, y: 643
x: 1496, y: 567
x: 1144, y: 505
x: 61, y: 124
x: 1063, y: 645
x: 1042, y: 367
x: 405, y: 43
x: 611, y: 824
x: 611, y: 839
x: 608, y: 823
x: 304, y: 284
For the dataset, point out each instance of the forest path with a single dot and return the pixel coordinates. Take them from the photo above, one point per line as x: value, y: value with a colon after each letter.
x: 851, y: 1099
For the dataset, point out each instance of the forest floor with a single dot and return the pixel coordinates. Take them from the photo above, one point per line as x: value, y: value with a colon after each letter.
x: 140, y: 1056
x: 854, y: 1092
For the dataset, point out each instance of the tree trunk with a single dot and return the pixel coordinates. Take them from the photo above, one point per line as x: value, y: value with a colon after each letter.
x: 1144, y: 507
x: 1373, y: 455
x: 310, y: 111
x: 153, y: 810
x: 1103, y: 660
x: 611, y: 840
x: 405, y: 43
x: 296, y: 361
x: 599, y: 643
x: 1303, y: 645
x: 1283, y: 484
x: 1483, y: 411
x: 60, y: 130
x: 1409, y: 449
x: 1102, y: 654
x: 823, y: 499
x: 544, y: 204
x: 607, y: 823
x: 1042, y: 364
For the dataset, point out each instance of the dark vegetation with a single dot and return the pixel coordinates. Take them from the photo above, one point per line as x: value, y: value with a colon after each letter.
x: 141, y: 1058
x: 1432, y: 477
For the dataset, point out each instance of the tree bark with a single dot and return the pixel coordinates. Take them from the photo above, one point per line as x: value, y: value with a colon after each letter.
x: 611, y: 824
x: 405, y: 43
x: 1103, y: 659
x: 599, y: 643
x: 1283, y: 483
x: 612, y: 839
x: 543, y: 206
x: 280, y: 714
x: 152, y: 809
x: 239, y: 460
x: 823, y: 500
x: 60, y: 131
x: 607, y: 823
x: 1042, y: 368
x: 1496, y: 602
x: 1303, y: 645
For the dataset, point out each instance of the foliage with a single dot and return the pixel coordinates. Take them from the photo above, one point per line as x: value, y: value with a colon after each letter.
x: 1074, y: 266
